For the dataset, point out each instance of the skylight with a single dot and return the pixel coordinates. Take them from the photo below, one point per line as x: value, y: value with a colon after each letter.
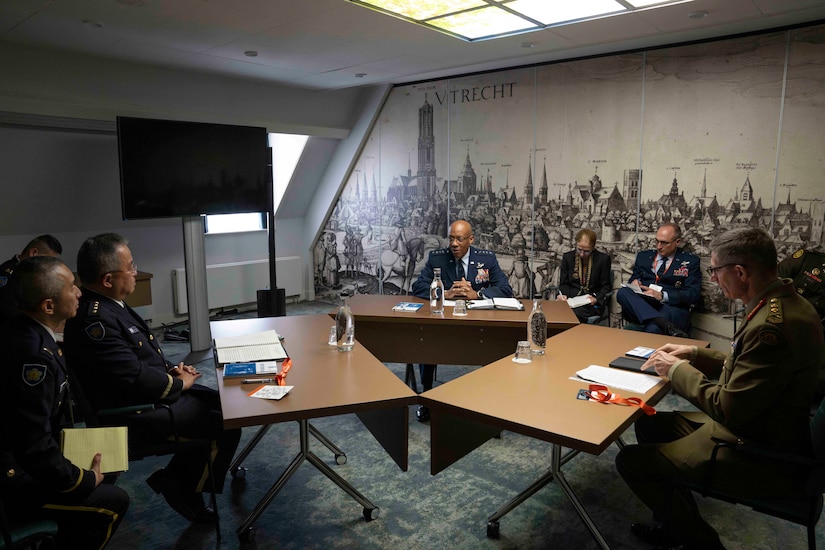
x: 474, y: 20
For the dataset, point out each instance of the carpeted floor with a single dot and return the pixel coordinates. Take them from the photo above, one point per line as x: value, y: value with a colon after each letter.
x: 418, y: 510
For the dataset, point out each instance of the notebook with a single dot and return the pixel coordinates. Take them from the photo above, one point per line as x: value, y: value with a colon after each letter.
x: 259, y: 346
x: 80, y: 445
x: 631, y: 364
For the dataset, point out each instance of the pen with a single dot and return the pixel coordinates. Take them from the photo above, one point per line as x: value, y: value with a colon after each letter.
x: 256, y: 381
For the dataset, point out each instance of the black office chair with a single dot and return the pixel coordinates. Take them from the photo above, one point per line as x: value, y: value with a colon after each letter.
x: 803, y: 509
x: 608, y: 300
x: 33, y: 534
x: 140, y: 450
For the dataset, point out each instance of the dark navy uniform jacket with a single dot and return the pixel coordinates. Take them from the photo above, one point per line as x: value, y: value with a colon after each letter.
x: 483, y: 272
x: 115, y: 355
x: 35, y: 403
x: 8, y: 300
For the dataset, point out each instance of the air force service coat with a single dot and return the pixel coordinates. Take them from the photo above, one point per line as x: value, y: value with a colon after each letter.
x: 483, y: 272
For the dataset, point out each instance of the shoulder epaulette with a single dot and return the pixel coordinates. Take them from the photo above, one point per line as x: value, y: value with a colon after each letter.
x: 798, y: 254
x: 93, y: 309
x: 774, y: 311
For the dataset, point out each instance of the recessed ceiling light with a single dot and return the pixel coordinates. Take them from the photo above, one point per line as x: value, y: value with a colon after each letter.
x: 698, y: 14
x: 526, y: 45
x: 360, y: 75
x: 251, y: 53
x: 92, y: 24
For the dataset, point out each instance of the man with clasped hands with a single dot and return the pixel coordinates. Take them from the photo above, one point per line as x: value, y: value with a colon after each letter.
x: 763, y: 394
x: 468, y: 273
x: 119, y: 363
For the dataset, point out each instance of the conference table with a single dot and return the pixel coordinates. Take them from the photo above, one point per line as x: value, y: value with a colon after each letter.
x: 539, y: 400
x: 326, y: 383
x: 479, y: 338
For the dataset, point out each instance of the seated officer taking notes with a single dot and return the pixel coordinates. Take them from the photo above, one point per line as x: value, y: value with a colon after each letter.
x: 467, y: 273
x: 119, y: 363
x: 35, y: 406
x: 669, y: 282
x: 760, y: 392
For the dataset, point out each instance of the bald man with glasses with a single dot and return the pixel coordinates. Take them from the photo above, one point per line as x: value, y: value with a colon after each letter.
x: 665, y: 285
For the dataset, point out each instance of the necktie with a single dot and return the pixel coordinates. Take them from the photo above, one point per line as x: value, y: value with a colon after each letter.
x: 661, y: 270
x: 459, y: 270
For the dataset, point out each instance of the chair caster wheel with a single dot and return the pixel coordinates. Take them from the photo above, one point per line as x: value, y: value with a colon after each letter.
x: 341, y: 459
x: 492, y: 530
x: 371, y: 513
x: 248, y: 535
x: 239, y: 473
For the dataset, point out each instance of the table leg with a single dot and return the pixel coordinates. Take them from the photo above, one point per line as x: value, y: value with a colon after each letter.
x: 557, y: 460
x: 574, y: 500
x: 370, y: 510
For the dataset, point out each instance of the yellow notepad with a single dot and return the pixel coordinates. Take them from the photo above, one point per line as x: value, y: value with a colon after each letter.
x: 79, y: 445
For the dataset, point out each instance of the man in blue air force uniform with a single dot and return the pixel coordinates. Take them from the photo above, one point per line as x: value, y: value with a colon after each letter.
x: 671, y: 283
x: 467, y: 273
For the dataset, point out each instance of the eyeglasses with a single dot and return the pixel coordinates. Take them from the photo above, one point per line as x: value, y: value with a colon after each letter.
x: 665, y: 243
x: 132, y: 269
x: 711, y: 270
x: 459, y: 240
x: 583, y: 251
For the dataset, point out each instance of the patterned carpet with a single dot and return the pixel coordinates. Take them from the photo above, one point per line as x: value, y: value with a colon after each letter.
x: 418, y: 510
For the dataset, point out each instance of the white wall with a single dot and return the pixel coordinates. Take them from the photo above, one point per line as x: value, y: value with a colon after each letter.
x: 67, y: 182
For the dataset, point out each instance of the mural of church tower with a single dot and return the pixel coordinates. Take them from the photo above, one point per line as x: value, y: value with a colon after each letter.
x: 426, y: 178
x: 631, y: 187
x: 528, y: 182
x: 543, y: 188
x: 467, y: 180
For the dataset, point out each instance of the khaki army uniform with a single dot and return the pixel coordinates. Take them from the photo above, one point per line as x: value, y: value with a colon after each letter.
x: 764, y: 392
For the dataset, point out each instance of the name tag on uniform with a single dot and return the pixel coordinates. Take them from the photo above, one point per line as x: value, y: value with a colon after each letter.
x: 133, y: 330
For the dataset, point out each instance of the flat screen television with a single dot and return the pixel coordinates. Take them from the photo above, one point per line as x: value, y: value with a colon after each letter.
x: 171, y: 168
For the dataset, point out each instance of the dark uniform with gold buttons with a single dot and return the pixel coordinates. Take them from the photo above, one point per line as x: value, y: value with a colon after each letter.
x: 119, y: 363
x: 37, y: 481
x: 807, y: 269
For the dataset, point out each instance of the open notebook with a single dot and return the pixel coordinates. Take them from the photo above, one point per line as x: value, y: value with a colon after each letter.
x: 258, y: 346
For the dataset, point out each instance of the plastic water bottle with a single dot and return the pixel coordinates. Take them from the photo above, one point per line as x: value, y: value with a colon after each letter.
x: 345, y: 325
x: 437, y: 292
x: 537, y: 329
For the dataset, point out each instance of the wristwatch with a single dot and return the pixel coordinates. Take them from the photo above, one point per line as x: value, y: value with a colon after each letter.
x: 481, y: 293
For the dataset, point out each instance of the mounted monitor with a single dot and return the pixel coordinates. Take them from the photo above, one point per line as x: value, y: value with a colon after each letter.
x: 171, y: 168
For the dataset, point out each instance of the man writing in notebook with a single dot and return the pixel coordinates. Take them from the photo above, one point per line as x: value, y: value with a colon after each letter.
x: 119, y: 363
x: 759, y: 392
x: 35, y: 406
x: 468, y: 273
x: 669, y: 284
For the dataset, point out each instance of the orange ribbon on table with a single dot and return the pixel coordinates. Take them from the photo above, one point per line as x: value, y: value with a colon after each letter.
x: 280, y: 378
x: 601, y: 394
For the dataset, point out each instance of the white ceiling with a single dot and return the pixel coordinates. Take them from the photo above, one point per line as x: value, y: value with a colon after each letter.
x: 323, y: 44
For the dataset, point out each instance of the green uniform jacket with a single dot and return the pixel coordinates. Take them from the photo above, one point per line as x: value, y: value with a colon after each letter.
x: 764, y: 392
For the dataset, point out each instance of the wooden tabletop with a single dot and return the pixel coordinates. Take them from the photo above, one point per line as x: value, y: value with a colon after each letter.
x: 326, y: 382
x: 483, y: 336
x: 538, y: 399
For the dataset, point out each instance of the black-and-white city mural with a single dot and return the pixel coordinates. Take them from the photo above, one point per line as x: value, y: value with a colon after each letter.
x: 709, y: 136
